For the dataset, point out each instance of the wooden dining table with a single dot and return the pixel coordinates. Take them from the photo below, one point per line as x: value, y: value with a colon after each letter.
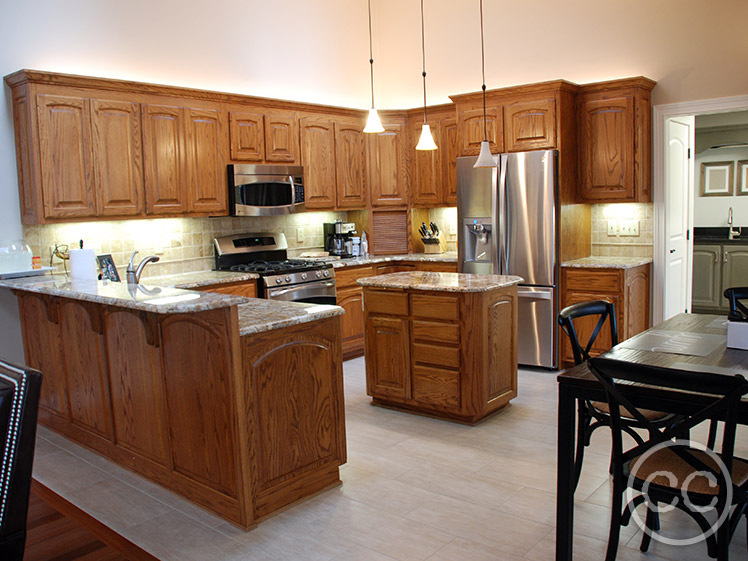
x: 686, y: 342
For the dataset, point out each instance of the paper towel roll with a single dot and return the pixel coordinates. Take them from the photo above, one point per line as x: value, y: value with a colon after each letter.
x: 83, y: 265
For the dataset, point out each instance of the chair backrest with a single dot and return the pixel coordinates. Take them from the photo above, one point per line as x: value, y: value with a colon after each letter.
x: 738, y: 310
x: 712, y: 396
x: 605, y: 311
x: 19, y: 404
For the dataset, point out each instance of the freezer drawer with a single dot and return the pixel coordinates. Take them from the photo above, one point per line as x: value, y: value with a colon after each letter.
x: 537, y: 326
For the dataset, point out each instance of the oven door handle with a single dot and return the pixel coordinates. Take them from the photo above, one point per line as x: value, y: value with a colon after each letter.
x: 281, y: 291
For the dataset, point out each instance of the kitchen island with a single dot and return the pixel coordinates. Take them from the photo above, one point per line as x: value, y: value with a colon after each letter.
x: 441, y: 344
x: 203, y: 393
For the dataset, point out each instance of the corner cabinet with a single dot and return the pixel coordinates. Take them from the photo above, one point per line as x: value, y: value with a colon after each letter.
x: 626, y: 289
x: 615, y: 128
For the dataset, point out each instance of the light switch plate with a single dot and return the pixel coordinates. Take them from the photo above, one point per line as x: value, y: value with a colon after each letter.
x: 628, y: 228
x: 300, y: 235
x: 612, y: 228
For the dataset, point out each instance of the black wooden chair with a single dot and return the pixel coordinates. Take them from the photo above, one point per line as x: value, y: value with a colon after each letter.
x: 19, y: 403
x: 595, y: 414
x: 674, y: 472
x: 738, y: 310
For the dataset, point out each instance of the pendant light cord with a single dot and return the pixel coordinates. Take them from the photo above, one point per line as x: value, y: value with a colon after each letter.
x: 483, y: 70
x: 423, y: 52
x: 371, y: 58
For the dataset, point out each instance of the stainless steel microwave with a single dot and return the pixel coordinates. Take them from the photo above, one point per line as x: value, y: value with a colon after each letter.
x: 265, y: 190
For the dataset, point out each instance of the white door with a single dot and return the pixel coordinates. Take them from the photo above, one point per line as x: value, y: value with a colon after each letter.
x: 679, y: 215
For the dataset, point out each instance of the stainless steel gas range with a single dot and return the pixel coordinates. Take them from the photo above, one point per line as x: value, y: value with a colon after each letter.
x: 293, y: 280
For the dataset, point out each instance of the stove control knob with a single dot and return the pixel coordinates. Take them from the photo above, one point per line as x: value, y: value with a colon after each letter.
x: 303, y: 276
x: 288, y: 279
x: 278, y: 280
x: 318, y: 274
x: 326, y: 273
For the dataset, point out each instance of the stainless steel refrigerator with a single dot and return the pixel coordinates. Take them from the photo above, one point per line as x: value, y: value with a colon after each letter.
x: 507, y: 220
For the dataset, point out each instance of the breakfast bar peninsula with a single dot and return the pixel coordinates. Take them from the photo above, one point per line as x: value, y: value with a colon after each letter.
x: 235, y: 403
x: 441, y: 344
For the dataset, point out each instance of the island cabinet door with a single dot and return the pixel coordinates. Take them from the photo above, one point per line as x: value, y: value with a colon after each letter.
x: 136, y: 383
x: 41, y: 342
x: 387, y: 357
x: 83, y: 355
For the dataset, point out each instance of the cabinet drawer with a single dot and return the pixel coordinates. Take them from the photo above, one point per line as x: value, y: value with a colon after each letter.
x: 386, y: 302
x: 449, y: 357
x: 346, y: 277
x: 437, y: 332
x: 438, y: 307
x: 436, y: 387
x: 593, y: 281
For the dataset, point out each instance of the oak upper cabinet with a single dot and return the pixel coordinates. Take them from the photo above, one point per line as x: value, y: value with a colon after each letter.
x: 615, y: 141
x: 387, y: 166
x: 318, y: 159
x: 530, y: 124
x: 271, y: 136
x: 349, y: 164
x: 66, y: 156
x: 450, y: 136
x: 471, y: 126
x: 426, y: 165
x: 184, y: 158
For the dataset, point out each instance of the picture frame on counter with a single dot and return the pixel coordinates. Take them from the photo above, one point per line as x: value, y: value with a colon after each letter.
x: 108, y: 268
x: 717, y: 179
x: 742, y: 177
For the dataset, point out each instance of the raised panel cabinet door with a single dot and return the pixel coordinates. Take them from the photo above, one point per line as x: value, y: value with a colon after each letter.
x: 387, y: 357
x: 426, y: 173
x: 136, y: 383
x: 118, y: 157
x: 636, y: 300
x: 65, y: 156
x: 318, y: 159
x: 606, y: 149
x: 164, y: 160
x: 584, y: 326
x: 206, y: 162
x: 350, y: 169
x: 471, y: 130
x: 352, y: 321
x: 281, y: 138
x: 734, y: 270
x: 451, y: 145
x: 41, y: 344
x: 84, y: 360
x: 530, y: 125
x: 247, y: 133
x: 387, y: 168
x: 706, y: 288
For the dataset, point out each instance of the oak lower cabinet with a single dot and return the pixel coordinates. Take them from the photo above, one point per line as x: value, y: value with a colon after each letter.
x: 241, y: 425
x: 244, y: 288
x: 350, y: 298
x: 717, y: 267
x: 444, y: 354
x: 627, y: 289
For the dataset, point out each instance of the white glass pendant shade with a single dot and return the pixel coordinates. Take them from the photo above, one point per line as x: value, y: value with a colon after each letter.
x: 485, y: 158
x: 426, y: 142
x: 373, y: 124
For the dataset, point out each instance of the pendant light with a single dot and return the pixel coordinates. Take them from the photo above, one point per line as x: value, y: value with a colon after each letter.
x: 426, y: 141
x: 373, y: 124
x: 485, y: 159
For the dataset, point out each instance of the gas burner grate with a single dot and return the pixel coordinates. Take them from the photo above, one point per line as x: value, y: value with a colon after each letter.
x: 260, y: 266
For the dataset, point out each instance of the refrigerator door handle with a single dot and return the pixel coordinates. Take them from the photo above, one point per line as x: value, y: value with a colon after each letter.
x: 536, y: 295
x: 503, y: 255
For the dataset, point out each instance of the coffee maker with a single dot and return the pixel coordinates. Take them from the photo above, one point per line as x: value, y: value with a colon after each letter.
x: 338, y: 236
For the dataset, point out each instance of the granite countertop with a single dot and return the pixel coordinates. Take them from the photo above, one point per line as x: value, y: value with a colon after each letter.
x: 440, y: 282
x: 200, y: 279
x: 719, y: 235
x: 149, y: 298
x: 607, y: 262
x: 258, y: 315
x: 447, y: 257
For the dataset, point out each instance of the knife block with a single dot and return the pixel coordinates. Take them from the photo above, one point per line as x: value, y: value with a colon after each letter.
x: 440, y: 247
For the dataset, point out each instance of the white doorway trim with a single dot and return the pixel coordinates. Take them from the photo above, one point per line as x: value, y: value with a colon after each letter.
x: 661, y: 114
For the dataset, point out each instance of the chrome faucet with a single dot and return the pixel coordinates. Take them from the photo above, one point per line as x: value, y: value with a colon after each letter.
x: 133, y: 274
x: 732, y: 234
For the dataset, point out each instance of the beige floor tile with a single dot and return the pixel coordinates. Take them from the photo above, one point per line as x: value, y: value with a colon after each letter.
x: 514, y: 536
x: 65, y: 473
x: 396, y: 496
x: 460, y: 549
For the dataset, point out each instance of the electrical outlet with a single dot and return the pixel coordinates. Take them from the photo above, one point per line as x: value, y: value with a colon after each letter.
x: 452, y: 228
x: 612, y: 228
x: 628, y: 228
x: 300, y: 235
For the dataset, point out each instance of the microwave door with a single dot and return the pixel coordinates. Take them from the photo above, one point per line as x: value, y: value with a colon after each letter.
x: 259, y: 195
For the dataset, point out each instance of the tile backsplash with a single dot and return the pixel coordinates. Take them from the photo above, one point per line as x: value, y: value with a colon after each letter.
x: 618, y: 245
x: 183, y: 244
